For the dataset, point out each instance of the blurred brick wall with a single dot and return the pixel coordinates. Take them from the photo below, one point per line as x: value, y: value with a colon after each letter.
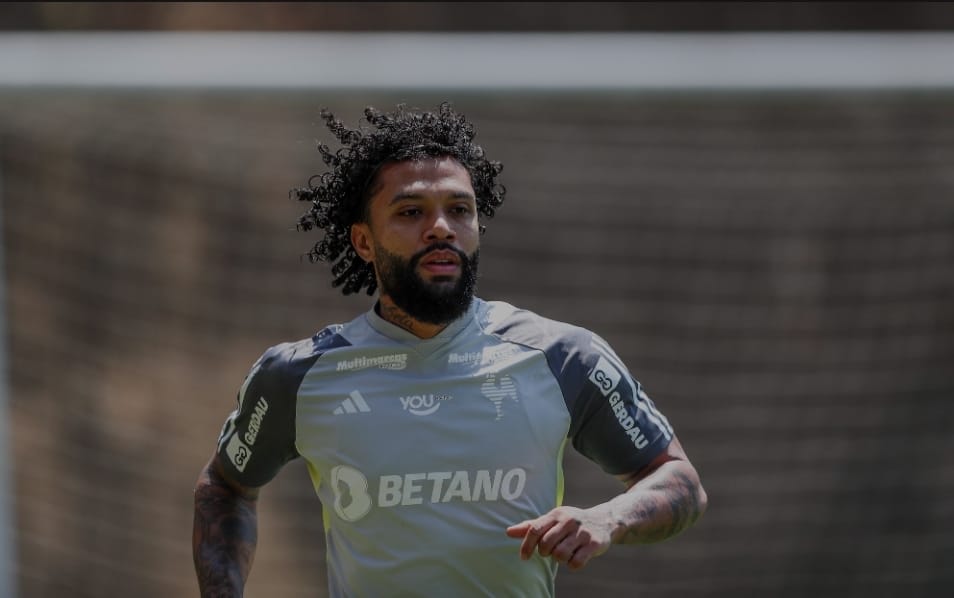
x: 778, y: 270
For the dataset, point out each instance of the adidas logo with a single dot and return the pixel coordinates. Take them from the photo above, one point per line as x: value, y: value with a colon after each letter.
x: 353, y: 404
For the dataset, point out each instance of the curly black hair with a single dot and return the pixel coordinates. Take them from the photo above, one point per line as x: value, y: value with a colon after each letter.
x: 339, y: 198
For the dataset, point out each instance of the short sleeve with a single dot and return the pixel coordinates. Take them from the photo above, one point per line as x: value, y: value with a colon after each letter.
x: 258, y: 438
x: 613, y: 421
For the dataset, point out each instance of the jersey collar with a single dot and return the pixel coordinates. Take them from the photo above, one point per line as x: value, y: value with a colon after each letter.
x: 397, y: 333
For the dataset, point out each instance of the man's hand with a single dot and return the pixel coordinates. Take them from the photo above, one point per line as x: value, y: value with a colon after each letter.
x: 569, y: 535
x: 660, y: 500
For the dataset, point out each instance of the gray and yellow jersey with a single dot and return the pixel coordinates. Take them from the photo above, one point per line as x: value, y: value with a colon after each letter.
x: 424, y: 451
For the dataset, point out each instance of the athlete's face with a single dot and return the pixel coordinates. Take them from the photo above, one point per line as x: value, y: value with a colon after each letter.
x: 422, y: 236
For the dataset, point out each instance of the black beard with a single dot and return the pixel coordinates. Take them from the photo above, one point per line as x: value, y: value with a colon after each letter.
x: 429, y: 302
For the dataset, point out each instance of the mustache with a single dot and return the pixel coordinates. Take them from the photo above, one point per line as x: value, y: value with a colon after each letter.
x: 439, y: 246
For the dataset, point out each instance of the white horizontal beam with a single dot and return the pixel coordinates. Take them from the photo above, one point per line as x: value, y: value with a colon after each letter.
x: 522, y: 61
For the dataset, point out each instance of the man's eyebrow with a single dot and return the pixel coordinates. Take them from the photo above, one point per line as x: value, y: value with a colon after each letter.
x: 404, y: 195
x: 412, y: 195
x: 462, y: 195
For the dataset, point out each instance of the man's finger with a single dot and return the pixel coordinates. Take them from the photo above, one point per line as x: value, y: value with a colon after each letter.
x: 532, y: 537
x: 555, y: 535
x: 565, y: 549
x: 581, y: 557
x: 519, y: 530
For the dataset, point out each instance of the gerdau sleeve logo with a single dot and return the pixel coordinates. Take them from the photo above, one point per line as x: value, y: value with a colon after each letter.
x: 240, y: 452
x: 605, y: 376
x: 237, y: 451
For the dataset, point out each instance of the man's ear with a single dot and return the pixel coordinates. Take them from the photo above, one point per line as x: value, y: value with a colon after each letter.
x: 361, y: 241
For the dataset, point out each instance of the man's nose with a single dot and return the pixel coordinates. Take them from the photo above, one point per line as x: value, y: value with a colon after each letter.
x: 440, y: 228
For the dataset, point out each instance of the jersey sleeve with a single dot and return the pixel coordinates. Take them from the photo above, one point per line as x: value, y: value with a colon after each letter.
x: 613, y: 421
x: 258, y: 438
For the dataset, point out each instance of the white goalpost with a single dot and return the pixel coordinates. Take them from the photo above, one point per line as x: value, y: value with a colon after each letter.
x: 475, y: 61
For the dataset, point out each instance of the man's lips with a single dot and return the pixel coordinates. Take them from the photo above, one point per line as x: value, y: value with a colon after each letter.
x: 441, y: 262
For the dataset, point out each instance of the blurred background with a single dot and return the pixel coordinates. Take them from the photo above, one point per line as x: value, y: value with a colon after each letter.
x: 774, y: 263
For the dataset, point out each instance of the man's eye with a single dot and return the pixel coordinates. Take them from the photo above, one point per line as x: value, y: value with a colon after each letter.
x: 464, y: 210
x: 409, y: 212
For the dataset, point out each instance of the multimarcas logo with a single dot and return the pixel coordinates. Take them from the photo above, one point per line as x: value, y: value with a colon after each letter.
x: 486, y: 356
x: 354, y: 497
x: 398, y: 361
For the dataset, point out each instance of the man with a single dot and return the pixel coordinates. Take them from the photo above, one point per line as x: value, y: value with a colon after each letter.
x: 433, y: 426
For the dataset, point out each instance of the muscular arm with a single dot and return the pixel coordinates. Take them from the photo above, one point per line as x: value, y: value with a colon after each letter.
x: 661, y: 500
x: 224, y: 533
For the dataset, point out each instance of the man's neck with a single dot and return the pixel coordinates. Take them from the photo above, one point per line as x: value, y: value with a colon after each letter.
x: 397, y: 316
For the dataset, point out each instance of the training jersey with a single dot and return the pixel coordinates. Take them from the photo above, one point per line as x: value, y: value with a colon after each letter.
x: 423, y: 451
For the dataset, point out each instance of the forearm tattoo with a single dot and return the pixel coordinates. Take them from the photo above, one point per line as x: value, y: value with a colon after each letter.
x: 224, y: 534
x: 663, y: 509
